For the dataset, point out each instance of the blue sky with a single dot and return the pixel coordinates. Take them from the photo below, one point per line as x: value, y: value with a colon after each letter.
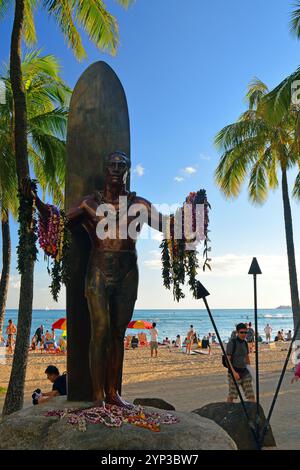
x: 185, y: 67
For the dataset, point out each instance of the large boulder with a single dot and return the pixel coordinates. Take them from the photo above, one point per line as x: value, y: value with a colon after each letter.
x: 31, y: 429
x: 231, y: 417
x: 154, y: 403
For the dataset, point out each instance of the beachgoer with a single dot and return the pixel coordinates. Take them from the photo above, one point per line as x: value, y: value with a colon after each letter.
x: 2, y: 341
x: 297, y: 374
x: 38, y: 334
x: 214, y: 338
x: 11, y: 330
x: 189, y: 339
x: 59, y: 384
x: 205, y: 344
x: 134, y: 342
x: 250, y: 337
x: 289, y: 336
x: 178, y: 343
x: 238, y: 356
x: 268, y: 330
x: 166, y: 341
x: 154, y: 339
x: 33, y: 343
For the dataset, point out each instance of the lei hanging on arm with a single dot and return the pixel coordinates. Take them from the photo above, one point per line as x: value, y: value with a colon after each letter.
x: 178, y: 253
x: 54, y: 239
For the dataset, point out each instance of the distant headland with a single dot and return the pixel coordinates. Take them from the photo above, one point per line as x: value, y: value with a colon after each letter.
x: 281, y: 307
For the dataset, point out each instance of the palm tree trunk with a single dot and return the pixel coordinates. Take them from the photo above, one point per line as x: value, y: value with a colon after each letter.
x: 15, y: 393
x: 6, y: 258
x: 290, y: 250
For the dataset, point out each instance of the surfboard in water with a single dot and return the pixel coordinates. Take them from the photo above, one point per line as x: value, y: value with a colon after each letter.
x: 98, y: 125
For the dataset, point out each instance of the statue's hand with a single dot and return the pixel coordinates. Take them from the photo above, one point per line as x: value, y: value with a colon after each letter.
x: 26, y: 188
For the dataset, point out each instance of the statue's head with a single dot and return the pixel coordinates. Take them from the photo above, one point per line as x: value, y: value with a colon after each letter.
x: 117, y: 167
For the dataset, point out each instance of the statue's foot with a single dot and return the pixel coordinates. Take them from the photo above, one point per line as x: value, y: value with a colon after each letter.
x: 115, y: 399
x: 99, y: 403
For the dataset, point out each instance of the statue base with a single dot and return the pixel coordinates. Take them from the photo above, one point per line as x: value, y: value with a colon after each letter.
x: 30, y: 429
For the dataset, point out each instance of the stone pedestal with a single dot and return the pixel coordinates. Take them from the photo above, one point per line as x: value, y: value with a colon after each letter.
x: 31, y: 429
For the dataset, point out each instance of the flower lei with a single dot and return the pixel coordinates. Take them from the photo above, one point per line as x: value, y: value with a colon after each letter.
x: 114, y: 416
x: 54, y: 239
x: 179, y: 255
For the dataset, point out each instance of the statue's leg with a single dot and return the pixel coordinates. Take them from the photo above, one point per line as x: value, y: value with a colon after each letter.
x: 97, y: 298
x: 121, y: 310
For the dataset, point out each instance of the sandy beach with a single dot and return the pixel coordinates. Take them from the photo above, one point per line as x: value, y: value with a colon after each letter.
x: 186, y: 381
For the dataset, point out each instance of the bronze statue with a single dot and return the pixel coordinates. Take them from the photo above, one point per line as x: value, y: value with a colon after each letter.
x: 111, y: 280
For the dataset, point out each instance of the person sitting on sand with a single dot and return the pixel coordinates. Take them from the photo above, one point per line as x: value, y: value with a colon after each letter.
x: 178, y: 343
x: 59, y: 386
x: 134, y: 342
x: 166, y: 341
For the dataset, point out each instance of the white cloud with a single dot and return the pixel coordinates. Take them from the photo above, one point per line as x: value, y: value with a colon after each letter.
x: 139, y: 170
x: 204, y: 157
x: 189, y: 170
x: 179, y: 179
x: 155, y: 261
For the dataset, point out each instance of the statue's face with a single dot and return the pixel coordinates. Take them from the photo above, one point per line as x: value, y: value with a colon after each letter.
x: 117, y: 169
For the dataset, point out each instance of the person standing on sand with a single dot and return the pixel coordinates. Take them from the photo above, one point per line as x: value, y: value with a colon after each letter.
x: 154, y: 339
x: 11, y: 330
x: 189, y: 339
x: 297, y: 374
x: 250, y: 337
x: 238, y: 357
x: 38, y: 334
x: 268, y: 331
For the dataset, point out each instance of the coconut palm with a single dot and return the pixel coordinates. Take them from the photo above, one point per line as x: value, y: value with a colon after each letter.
x: 256, y: 148
x: 47, y: 98
x: 102, y: 29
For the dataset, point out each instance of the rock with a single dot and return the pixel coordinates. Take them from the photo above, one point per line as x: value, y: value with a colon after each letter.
x: 154, y: 403
x: 31, y: 429
x: 231, y: 417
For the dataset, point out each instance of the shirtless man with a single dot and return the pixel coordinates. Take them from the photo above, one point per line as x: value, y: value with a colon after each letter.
x: 11, y: 330
x: 111, y: 280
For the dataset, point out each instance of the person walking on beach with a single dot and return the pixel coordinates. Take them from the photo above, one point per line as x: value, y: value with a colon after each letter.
x: 268, y: 331
x: 238, y: 357
x: 11, y: 330
x: 297, y: 374
x: 38, y: 335
x: 154, y: 339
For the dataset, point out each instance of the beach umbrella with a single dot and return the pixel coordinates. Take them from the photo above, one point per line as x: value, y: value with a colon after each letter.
x: 140, y: 325
x: 60, y: 324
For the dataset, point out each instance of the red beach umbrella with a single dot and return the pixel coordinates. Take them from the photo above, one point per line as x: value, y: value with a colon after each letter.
x: 60, y: 324
x: 140, y: 325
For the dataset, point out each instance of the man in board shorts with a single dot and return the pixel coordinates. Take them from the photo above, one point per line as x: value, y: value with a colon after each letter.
x: 154, y: 340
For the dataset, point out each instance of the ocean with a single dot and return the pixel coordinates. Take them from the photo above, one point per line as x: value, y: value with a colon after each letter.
x: 173, y: 322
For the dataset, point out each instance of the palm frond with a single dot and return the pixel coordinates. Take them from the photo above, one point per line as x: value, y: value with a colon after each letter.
x: 295, y: 20
x: 258, y: 188
x: 29, y: 32
x: 256, y: 91
x: 100, y: 26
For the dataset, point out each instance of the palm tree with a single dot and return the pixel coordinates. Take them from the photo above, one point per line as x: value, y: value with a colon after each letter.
x: 47, y: 98
x: 255, y: 147
x: 102, y: 29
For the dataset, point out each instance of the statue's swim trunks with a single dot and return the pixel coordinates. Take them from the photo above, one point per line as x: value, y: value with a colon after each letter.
x: 113, y: 269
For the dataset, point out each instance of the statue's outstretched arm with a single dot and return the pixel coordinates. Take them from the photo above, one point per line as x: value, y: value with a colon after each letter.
x: 155, y: 219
